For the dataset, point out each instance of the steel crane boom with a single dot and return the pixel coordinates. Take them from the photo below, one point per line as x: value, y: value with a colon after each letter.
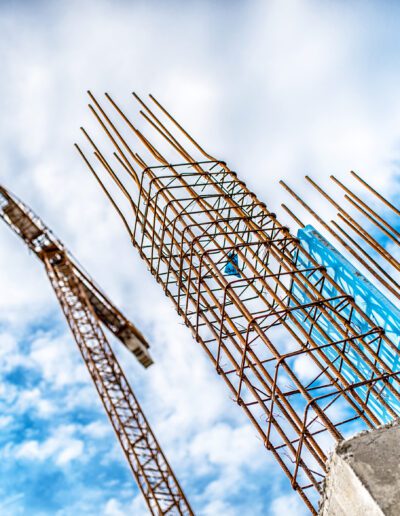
x: 85, y: 307
x: 39, y: 238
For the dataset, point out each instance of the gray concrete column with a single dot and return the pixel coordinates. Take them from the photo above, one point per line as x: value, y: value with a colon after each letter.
x: 364, y: 475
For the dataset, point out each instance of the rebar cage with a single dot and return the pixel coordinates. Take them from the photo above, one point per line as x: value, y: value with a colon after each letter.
x: 197, y: 220
x: 302, y: 359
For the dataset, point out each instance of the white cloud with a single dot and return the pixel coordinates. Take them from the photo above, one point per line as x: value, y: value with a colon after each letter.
x: 72, y: 451
x: 5, y: 421
x: 35, y: 400
x: 59, y: 360
x: 114, y: 507
x: 218, y: 507
x: 61, y: 446
x: 96, y: 430
x: 10, y: 357
x: 289, y: 505
x: 225, y: 445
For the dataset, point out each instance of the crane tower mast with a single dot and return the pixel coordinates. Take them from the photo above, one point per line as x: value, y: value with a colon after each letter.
x: 85, y: 307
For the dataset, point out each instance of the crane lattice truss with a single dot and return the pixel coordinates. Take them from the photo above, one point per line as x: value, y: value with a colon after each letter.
x: 298, y: 354
x: 85, y: 307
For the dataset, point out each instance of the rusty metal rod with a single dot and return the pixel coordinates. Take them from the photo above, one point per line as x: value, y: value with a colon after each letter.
x: 372, y: 219
x: 377, y: 194
x: 366, y: 207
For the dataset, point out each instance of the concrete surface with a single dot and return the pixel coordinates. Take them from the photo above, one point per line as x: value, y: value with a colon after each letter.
x: 364, y: 475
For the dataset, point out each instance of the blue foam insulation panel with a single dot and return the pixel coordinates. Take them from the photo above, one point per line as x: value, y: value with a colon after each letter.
x: 379, y: 309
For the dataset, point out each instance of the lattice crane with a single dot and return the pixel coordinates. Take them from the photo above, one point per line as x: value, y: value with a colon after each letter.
x: 85, y: 307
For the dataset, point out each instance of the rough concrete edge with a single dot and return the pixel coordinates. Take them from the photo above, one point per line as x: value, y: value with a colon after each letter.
x: 325, y: 503
x: 342, y: 446
x: 341, y: 449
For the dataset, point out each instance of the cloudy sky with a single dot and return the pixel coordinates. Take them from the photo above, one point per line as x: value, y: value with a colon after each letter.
x: 278, y: 89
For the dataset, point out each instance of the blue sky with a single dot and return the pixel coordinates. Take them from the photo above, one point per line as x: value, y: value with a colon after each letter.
x: 276, y: 88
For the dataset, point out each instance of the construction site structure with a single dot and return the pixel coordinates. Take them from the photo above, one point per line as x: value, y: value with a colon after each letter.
x: 85, y: 308
x: 297, y: 351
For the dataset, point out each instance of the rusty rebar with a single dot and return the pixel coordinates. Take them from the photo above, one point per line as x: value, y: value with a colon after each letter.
x: 189, y: 218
